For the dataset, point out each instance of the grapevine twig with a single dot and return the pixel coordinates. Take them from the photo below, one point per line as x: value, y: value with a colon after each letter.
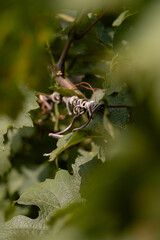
x: 78, y: 37
x: 67, y: 84
x: 71, y: 36
x: 60, y: 66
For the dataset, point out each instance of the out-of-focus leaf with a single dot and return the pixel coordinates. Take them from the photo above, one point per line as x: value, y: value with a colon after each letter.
x: 23, y: 118
x: 5, y: 152
x: 112, y: 81
x: 13, y: 145
x: 122, y: 17
x: 67, y: 233
x: 18, y: 181
x: 105, y: 35
x: 25, y: 27
x: 2, y: 202
x: 14, y: 139
x: 4, y: 160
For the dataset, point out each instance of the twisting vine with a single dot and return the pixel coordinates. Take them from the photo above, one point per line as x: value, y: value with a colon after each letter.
x: 74, y: 105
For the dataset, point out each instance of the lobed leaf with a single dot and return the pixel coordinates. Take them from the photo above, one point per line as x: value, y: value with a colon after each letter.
x: 49, y: 196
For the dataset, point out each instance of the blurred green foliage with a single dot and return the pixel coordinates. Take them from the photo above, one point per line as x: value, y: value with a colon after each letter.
x: 25, y: 27
x: 106, y: 185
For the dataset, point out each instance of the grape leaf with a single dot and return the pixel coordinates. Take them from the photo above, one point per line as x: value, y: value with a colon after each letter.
x: 99, y: 144
x: 70, y: 140
x: 118, y: 116
x: 49, y: 196
x: 23, y: 118
x: 20, y: 227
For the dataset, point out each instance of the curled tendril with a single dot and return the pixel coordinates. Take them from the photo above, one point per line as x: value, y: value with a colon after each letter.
x: 55, y: 97
x: 78, y: 106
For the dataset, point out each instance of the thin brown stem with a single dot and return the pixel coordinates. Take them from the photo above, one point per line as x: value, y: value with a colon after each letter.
x: 71, y: 37
x: 61, y: 61
x: 67, y: 84
x: 78, y: 37
x: 60, y: 66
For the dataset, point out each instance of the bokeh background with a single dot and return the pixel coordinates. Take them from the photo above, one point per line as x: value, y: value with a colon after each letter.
x: 121, y: 55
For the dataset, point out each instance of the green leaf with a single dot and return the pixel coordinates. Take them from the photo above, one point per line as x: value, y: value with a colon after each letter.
x: 3, y: 202
x: 49, y: 196
x: 99, y: 96
x: 120, y: 19
x: 24, y: 118
x: 21, y: 42
x: 12, y: 146
x: 4, y: 160
x: 67, y: 233
x: 112, y: 84
x: 5, y: 164
x: 18, y: 181
x: 20, y: 227
x: 70, y: 140
x: 118, y: 116
x: 100, y: 147
x: 80, y: 165
x: 84, y: 166
x: 105, y: 35
x: 99, y: 144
